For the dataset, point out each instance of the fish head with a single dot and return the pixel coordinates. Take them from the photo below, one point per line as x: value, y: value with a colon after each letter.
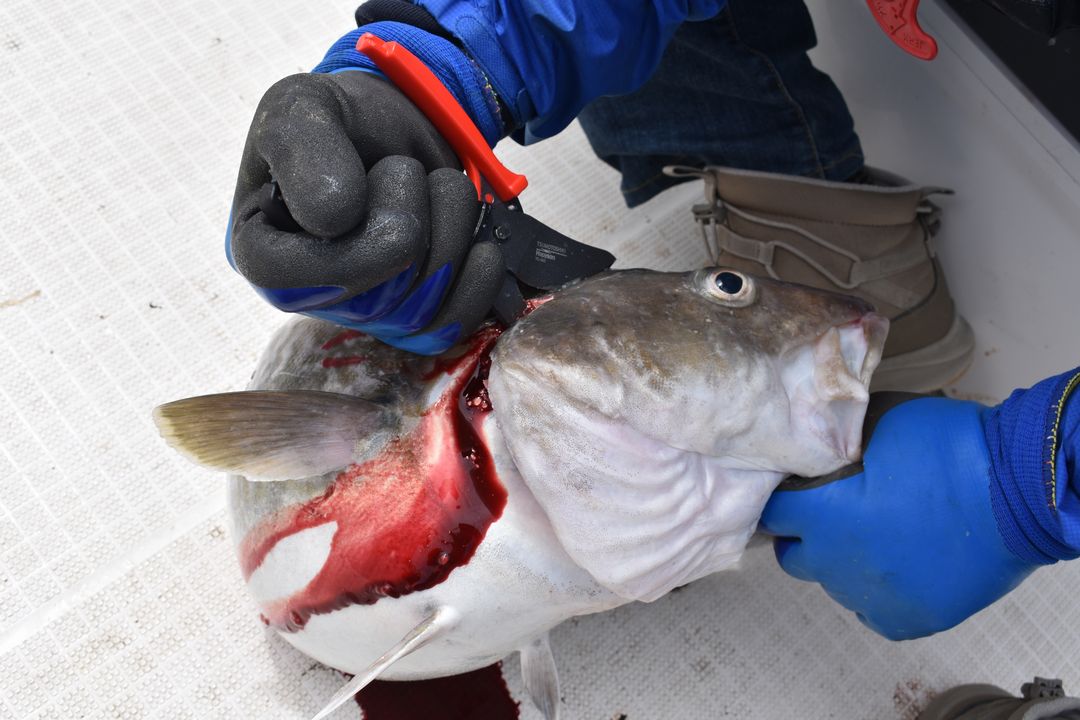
x: 764, y: 374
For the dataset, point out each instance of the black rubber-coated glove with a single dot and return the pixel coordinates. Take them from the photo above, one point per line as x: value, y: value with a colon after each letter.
x: 384, y: 216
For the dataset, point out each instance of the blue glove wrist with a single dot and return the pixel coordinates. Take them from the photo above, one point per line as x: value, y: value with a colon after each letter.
x: 1032, y: 439
x: 461, y: 76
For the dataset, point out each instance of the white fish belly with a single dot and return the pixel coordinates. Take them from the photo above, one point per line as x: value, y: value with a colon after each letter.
x: 518, y: 584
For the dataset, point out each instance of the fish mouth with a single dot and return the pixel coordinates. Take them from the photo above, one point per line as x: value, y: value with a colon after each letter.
x: 845, y: 358
x: 859, y: 344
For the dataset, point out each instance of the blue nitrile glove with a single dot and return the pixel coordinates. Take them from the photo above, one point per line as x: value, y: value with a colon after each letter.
x: 382, y: 219
x: 952, y: 507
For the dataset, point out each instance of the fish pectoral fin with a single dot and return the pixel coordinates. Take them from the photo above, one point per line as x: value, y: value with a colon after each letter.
x: 540, y: 676
x: 434, y: 625
x: 272, y: 435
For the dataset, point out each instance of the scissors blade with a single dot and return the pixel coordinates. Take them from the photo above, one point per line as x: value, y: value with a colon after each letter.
x: 539, y: 256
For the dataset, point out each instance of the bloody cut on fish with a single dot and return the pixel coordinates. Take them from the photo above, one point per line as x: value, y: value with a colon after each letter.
x: 406, y: 518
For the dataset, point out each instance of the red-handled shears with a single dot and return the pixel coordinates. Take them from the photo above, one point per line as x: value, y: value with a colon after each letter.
x: 537, y: 257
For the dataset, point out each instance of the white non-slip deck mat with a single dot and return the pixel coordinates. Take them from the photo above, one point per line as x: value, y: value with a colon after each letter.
x: 121, y: 124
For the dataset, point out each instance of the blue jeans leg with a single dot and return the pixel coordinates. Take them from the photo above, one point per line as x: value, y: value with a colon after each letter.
x: 737, y: 90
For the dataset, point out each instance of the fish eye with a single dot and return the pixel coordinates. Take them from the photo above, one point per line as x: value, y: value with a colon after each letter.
x: 729, y: 283
x: 730, y: 287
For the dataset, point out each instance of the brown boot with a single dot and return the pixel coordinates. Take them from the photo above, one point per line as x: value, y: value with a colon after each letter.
x: 868, y: 240
x: 1042, y: 699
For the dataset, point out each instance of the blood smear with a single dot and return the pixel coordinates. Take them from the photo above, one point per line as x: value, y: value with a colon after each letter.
x: 478, y: 695
x: 406, y: 518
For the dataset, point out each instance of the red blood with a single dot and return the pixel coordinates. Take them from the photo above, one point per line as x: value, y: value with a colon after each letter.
x: 406, y: 518
x: 533, y: 303
x: 478, y: 695
x: 450, y: 364
x: 475, y: 393
x: 333, y: 362
x: 341, y: 337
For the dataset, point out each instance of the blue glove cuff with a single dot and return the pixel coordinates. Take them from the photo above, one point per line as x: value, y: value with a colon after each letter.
x: 1035, y: 507
x: 461, y: 76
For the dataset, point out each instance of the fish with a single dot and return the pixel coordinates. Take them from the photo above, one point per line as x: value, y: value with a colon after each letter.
x: 405, y: 517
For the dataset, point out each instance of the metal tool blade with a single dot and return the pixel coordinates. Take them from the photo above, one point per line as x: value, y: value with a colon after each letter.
x: 540, y: 256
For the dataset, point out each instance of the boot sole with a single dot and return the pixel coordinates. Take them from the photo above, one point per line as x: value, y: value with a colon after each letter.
x: 989, y: 702
x: 953, y: 703
x: 930, y: 368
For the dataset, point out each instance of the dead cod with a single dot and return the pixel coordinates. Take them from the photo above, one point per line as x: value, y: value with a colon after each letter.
x: 407, y: 517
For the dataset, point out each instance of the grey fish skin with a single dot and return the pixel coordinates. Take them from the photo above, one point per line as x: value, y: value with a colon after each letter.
x: 678, y: 406
x: 640, y: 421
x: 631, y: 343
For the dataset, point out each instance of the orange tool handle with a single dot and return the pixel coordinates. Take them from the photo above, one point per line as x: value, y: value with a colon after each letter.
x: 422, y: 87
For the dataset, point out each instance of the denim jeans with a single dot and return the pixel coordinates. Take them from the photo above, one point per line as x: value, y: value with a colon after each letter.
x: 737, y: 90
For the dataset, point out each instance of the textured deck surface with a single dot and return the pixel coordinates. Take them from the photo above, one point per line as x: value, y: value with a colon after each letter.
x: 120, y: 129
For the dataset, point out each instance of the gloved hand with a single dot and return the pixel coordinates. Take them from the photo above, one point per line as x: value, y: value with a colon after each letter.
x: 384, y: 218
x: 953, y: 506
